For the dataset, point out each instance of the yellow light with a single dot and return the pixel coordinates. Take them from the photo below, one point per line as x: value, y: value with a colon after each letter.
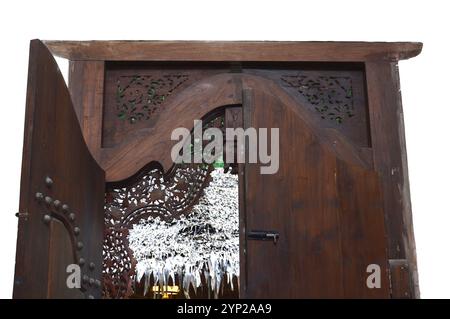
x: 166, y: 291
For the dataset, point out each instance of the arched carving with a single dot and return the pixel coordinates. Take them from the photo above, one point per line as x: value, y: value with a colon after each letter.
x: 193, y: 103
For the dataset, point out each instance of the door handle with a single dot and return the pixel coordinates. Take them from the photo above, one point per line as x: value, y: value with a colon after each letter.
x: 263, y: 235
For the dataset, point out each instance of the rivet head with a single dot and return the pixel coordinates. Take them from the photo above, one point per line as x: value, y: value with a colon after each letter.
x: 91, y: 281
x: 57, y: 204
x: 85, y: 279
x: 98, y: 283
x: 48, y: 200
x: 81, y: 261
x: 91, y: 297
x: 48, y: 181
x: 65, y: 208
x: 79, y: 245
x: 91, y: 266
x: 72, y: 216
x: 39, y: 196
x: 47, y: 219
x: 76, y: 231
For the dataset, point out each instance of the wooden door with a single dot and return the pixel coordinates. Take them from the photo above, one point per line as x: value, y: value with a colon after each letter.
x: 327, y: 211
x: 62, y: 192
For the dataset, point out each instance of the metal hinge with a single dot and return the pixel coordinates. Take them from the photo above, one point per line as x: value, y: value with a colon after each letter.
x: 21, y: 215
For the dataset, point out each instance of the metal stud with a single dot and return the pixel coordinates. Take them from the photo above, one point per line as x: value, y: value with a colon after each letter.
x: 48, y: 181
x: 85, y: 279
x: 72, y: 216
x: 91, y: 266
x: 81, y: 261
x: 76, y: 231
x: 65, y: 208
x: 79, y: 245
x: 91, y: 297
x: 48, y: 200
x: 91, y: 281
x: 57, y: 203
x: 47, y: 219
x: 39, y: 196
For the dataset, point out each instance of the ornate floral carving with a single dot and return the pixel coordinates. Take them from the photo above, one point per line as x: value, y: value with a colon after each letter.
x: 331, y: 96
x: 118, y: 263
x: 151, y: 193
x: 154, y: 194
x: 138, y: 97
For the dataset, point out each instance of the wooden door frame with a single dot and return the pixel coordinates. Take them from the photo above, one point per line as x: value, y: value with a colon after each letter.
x: 87, y: 65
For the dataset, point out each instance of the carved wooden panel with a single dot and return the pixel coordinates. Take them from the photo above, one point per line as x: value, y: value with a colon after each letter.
x: 138, y: 97
x: 151, y: 192
x: 333, y: 94
x: 135, y: 94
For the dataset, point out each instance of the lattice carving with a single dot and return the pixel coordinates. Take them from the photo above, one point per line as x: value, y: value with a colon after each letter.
x: 331, y: 96
x: 138, y: 97
x: 151, y: 193
x: 154, y: 194
x: 118, y: 263
x: 157, y: 194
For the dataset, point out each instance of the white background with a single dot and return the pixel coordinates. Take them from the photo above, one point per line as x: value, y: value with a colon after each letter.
x: 424, y: 81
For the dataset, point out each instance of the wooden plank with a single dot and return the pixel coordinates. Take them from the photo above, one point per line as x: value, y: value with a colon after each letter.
x: 399, y: 270
x: 363, y: 236
x: 306, y: 260
x: 60, y: 256
x: 389, y: 152
x: 86, y: 80
x: 233, y: 51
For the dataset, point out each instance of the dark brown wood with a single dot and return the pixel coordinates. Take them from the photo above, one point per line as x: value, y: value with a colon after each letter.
x: 333, y: 214
x: 340, y: 200
x: 54, y: 147
x: 333, y: 93
x: 86, y: 80
x: 128, y: 105
x: 233, y: 51
x: 389, y: 152
x: 61, y: 254
x: 154, y: 144
x: 361, y: 225
x: 401, y: 279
